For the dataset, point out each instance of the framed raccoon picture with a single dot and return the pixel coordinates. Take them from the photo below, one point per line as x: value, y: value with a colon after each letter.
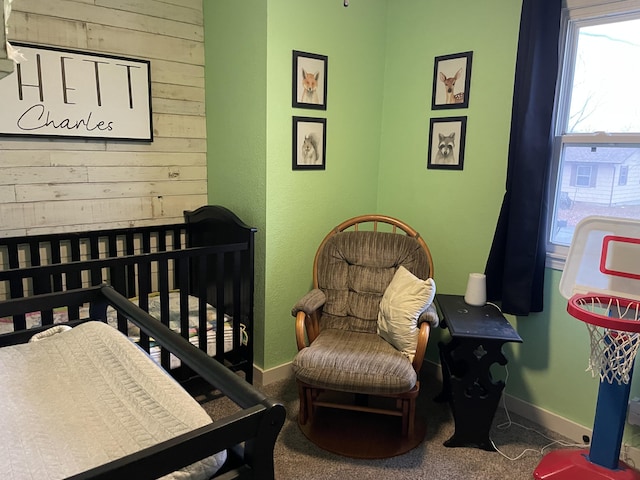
x: 446, y: 143
x: 309, y: 80
x: 309, y: 143
x: 451, y: 81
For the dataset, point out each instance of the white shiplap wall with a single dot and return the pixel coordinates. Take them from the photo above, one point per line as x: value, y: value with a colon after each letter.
x: 73, y: 184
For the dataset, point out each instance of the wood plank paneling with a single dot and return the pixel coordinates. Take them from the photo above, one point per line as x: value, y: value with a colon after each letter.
x: 54, y: 191
x: 161, y: 9
x: 34, y: 175
x: 69, y: 184
x: 87, y: 13
x: 177, y: 92
x: 177, y: 73
x: 179, y: 126
x: 27, y: 27
x: 148, y: 45
x: 175, y: 173
x: 127, y: 159
x: 7, y: 193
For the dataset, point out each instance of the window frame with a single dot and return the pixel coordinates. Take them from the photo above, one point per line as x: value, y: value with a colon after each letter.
x: 576, y: 14
x: 623, y: 175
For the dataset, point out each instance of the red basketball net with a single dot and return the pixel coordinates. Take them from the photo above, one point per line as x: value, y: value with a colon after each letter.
x: 614, y: 330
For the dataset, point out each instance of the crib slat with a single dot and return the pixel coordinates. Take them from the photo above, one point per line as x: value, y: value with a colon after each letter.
x: 202, y: 306
x: 182, y: 270
x: 56, y: 257
x: 163, y: 292
x: 74, y: 279
x: 144, y: 287
x: 236, y: 296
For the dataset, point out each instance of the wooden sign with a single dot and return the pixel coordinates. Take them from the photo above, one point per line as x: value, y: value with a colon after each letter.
x: 57, y: 92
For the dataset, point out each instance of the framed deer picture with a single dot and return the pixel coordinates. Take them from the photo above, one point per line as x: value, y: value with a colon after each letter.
x: 451, y: 81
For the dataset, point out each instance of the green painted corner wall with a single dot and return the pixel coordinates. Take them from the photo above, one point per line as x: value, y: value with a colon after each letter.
x: 249, y: 125
x: 454, y: 210
x: 302, y: 206
x: 236, y: 103
x: 380, y: 75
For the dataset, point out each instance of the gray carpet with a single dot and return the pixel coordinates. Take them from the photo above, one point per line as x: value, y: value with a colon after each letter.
x: 296, y: 458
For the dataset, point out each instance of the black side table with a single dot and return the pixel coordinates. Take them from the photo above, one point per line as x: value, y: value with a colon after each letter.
x: 477, y: 336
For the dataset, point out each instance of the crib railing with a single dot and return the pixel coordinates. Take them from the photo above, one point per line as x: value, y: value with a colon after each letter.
x: 158, y: 274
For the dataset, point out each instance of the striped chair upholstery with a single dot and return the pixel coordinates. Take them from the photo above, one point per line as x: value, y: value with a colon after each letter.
x: 339, y: 348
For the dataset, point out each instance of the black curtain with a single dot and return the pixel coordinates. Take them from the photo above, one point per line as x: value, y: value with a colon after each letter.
x: 515, y: 267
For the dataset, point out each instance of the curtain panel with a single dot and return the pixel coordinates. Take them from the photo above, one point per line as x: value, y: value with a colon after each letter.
x: 515, y: 266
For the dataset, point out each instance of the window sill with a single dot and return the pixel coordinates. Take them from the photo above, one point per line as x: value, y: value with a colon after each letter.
x: 555, y: 261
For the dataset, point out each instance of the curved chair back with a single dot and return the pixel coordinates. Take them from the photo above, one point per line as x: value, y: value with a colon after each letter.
x: 356, y: 262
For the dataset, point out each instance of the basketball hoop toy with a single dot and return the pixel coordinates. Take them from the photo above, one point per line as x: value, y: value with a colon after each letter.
x: 614, y: 331
x: 601, y: 281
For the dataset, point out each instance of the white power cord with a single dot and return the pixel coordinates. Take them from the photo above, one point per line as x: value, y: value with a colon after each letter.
x: 509, y: 423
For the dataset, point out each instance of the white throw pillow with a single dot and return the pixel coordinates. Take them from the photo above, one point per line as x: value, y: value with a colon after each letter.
x: 406, y: 297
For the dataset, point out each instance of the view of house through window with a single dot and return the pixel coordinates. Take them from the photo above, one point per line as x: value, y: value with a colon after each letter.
x: 598, y: 124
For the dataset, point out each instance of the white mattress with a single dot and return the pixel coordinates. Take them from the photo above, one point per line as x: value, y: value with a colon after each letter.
x: 78, y: 399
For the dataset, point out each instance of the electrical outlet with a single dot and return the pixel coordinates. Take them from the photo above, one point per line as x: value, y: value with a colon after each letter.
x: 634, y: 411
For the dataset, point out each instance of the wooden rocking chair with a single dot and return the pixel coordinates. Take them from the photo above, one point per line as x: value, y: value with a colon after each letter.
x: 341, y: 349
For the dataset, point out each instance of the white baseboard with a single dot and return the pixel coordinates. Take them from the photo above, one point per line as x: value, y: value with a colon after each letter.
x: 265, y: 377
x: 563, y: 426
x: 549, y: 420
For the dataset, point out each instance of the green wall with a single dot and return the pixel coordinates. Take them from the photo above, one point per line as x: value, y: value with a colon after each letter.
x: 302, y: 206
x: 236, y: 103
x: 380, y: 75
x: 249, y: 125
x: 455, y: 211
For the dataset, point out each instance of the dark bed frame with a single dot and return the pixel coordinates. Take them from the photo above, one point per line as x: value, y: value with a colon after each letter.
x: 248, y: 435
x: 210, y: 256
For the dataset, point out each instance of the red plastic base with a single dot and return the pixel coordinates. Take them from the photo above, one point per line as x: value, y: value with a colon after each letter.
x: 575, y: 465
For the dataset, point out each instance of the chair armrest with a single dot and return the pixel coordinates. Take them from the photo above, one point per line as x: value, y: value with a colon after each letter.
x: 421, y: 347
x: 430, y: 315
x: 311, y: 302
x: 307, y: 313
x: 426, y: 321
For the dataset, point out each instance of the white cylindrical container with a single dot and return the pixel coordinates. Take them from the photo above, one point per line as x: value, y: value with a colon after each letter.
x: 476, y: 293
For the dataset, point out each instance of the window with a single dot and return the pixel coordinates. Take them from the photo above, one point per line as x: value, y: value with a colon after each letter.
x: 584, y: 175
x: 596, y: 167
x: 624, y: 174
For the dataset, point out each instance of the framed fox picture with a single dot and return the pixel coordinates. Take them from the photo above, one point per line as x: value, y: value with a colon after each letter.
x: 309, y: 80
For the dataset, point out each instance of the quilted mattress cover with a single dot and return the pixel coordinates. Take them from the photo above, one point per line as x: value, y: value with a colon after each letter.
x: 86, y: 396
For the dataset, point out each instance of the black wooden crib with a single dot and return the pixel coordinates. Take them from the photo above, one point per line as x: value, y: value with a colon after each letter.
x: 196, y: 277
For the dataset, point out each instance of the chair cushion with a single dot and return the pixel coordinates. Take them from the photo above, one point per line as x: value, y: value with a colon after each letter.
x: 355, y: 362
x: 406, y: 297
x: 354, y: 270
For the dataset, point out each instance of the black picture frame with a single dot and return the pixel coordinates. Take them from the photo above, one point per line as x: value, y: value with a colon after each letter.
x: 451, y: 81
x: 446, y: 143
x: 309, y: 69
x: 309, y: 143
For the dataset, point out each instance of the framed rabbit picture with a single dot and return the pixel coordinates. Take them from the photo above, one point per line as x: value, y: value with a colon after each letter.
x: 309, y: 80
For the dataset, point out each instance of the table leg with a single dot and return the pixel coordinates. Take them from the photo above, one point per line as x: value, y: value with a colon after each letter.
x: 472, y: 393
x: 446, y: 361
